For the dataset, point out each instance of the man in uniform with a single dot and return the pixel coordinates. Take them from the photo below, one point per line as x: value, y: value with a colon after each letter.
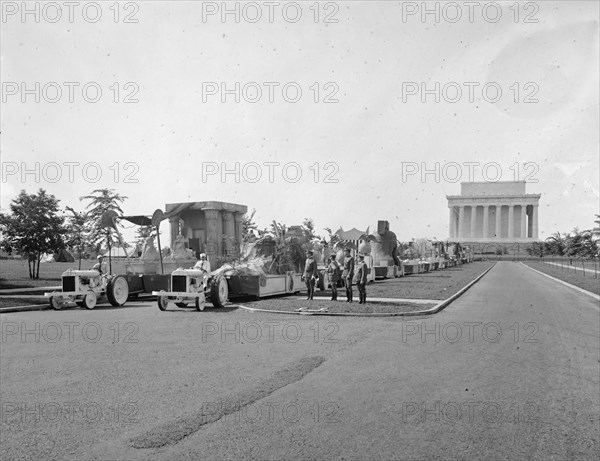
x: 361, y: 280
x: 348, y: 274
x: 311, y: 274
x: 333, y: 270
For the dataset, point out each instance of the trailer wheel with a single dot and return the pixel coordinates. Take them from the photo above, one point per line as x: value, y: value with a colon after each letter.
x: 321, y: 281
x: 117, y: 291
x: 199, y: 305
x: 219, y: 291
x: 162, y: 301
x: 89, y: 300
x: 56, y: 302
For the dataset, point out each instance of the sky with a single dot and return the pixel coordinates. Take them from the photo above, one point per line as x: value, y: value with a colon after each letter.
x: 345, y: 112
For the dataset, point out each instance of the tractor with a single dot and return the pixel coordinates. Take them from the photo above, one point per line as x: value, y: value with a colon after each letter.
x: 84, y: 287
x: 194, y: 286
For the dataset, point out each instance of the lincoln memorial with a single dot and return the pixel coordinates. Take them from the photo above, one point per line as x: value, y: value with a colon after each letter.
x: 499, y: 212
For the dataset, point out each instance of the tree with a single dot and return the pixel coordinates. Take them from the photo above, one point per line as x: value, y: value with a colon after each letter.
x: 101, y: 201
x: 248, y: 226
x: 33, y: 228
x: 308, y: 227
x: 75, y: 231
x: 556, y: 244
x: 334, y: 239
x: 142, y: 233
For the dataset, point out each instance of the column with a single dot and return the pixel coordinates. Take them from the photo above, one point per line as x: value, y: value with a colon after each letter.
x: 212, y: 236
x: 486, y: 221
x: 498, y: 221
x: 511, y: 221
x: 228, y: 231
x: 461, y: 221
x: 451, y: 222
x: 534, y: 233
x: 239, y: 218
x: 473, y: 220
x: 523, y: 221
x: 174, y: 223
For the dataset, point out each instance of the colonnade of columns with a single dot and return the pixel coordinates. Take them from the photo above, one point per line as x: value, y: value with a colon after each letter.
x: 223, y: 231
x: 473, y: 221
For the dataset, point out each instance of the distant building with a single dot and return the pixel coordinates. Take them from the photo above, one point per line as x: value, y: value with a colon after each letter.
x: 493, y: 213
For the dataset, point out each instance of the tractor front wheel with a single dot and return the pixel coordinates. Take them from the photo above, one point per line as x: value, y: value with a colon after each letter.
x: 162, y: 301
x: 56, y: 302
x: 89, y: 300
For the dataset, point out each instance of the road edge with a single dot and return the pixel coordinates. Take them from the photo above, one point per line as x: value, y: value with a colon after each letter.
x: 581, y: 290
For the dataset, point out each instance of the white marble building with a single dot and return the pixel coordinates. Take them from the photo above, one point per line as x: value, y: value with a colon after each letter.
x: 499, y: 212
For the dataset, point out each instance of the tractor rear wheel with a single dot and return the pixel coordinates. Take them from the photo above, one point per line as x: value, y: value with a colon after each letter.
x: 219, y: 291
x: 117, y: 291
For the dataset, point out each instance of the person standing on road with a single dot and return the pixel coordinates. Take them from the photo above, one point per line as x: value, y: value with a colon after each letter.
x: 311, y: 274
x: 361, y: 280
x: 333, y: 270
x: 348, y: 274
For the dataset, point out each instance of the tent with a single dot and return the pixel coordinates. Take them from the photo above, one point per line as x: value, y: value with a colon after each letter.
x: 63, y: 256
x: 47, y: 258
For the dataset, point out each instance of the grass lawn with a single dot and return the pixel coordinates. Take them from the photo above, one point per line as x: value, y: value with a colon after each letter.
x: 440, y: 284
x: 587, y: 281
x: 14, y: 273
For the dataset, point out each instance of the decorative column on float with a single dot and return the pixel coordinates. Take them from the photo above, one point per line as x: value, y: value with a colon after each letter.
x: 239, y: 218
x: 228, y: 231
x: 212, y: 235
x: 174, y: 224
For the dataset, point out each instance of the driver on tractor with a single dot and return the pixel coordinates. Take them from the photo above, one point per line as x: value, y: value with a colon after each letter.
x: 203, y: 265
x: 100, y: 266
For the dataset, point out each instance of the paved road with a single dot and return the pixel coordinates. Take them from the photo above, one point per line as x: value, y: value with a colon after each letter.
x: 442, y: 387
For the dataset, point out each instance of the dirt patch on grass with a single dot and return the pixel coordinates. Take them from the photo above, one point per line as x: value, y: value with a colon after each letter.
x: 294, y: 304
x: 587, y: 282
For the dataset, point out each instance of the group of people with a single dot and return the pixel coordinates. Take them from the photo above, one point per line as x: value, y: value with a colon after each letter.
x: 335, y: 273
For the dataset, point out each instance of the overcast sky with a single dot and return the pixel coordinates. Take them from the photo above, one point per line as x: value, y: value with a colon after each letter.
x: 366, y: 59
